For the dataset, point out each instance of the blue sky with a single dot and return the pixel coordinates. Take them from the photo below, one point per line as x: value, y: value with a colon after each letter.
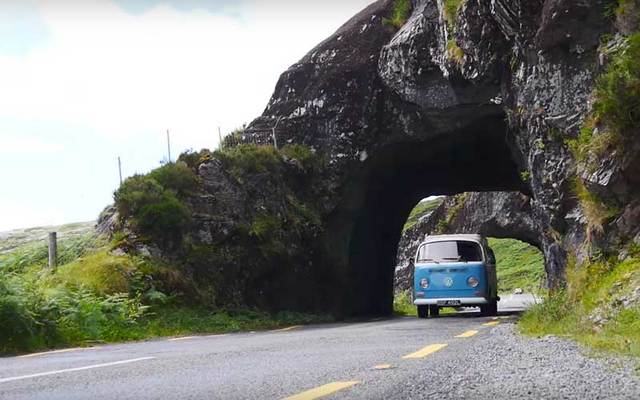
x: 86, y: 81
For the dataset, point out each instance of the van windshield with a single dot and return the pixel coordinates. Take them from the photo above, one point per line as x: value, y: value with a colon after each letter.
x: 450, y: 251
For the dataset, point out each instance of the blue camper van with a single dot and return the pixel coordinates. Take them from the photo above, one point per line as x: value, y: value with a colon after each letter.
x: 455, y: 271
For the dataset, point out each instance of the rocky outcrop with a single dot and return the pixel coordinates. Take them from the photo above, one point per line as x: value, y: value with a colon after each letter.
x: 482, y: 101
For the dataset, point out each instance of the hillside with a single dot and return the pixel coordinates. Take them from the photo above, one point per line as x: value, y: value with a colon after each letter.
x: 519, y: 265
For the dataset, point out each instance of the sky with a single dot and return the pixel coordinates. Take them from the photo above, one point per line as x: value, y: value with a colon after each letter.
x: 84, y: 82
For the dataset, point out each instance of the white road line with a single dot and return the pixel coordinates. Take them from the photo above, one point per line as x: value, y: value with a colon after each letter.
x: 61, y: 371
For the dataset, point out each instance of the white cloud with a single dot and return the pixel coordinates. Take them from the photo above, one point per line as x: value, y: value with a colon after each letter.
x: 107, y: 82
x: 122, y: 74
x: 27, y: 145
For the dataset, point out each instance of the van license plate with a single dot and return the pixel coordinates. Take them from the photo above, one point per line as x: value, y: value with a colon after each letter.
x: 449, y: 302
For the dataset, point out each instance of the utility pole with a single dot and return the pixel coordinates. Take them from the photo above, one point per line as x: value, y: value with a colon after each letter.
x: 219, y: 138
x: 53, y: 250
x: 120, y: 170
x: 168, y: 147
x: 273, y: 133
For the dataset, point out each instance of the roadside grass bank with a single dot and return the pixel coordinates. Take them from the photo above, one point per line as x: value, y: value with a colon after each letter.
x: 599, y: 308
x: 99, y: 297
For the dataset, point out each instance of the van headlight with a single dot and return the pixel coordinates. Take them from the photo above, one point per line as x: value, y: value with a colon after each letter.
x: 473, y: 281
x: 424, y: 283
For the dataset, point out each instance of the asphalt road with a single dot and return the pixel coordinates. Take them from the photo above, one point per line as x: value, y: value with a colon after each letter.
x: 390, y: 358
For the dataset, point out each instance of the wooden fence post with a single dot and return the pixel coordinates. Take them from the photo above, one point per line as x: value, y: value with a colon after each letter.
x: 53, y: 250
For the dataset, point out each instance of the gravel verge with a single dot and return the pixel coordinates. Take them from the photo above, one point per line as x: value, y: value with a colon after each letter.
x: 503, y: 364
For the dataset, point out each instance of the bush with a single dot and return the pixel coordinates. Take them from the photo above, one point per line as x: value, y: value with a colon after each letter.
x: 194, y: 159
x: 152, y: 202
x: 249, y: 159
x: 178, y: 178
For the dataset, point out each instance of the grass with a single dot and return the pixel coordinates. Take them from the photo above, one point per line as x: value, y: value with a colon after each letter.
x: 596, y: 211
x: 421, y: 209
x: 616, y: 107
x: 594, y: 291
x: 454, y: 52
x: 451, y: 8
x: 519, y: 265
x: 96, y: 296
x: 400, y: 14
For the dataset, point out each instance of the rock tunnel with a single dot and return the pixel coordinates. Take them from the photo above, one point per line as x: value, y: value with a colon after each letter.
x: 399, y: 119
x: 366, y: 228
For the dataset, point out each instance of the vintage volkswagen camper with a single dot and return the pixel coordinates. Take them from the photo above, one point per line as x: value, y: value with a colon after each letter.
x: 455, y: 271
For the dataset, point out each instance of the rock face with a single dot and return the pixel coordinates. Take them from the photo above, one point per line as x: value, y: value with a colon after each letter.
x: 482, y: 101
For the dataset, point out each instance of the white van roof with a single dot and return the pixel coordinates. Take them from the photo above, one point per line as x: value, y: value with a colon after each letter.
x: 441, y: 238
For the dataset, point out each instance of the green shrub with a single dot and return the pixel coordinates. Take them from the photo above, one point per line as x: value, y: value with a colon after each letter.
x: 249, y: 159
x: 403, y: 304
x: 152, y: 202
x: 177, y: 177
x: 193, y: 159
x: 400, y: 14
x: 303, y: 154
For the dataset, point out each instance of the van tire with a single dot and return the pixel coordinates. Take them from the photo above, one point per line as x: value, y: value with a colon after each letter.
x: 493, y: 308
x: 484, y: 310
x: 434, y: 311
x: 423, y: 311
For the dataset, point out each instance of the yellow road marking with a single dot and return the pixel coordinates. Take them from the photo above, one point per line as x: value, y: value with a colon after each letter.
x: 432, y: 348
x: 467, y: 334
x: 181, y: 338
x: 44, y: 353
x: 382, y: 366
x: 492, y: 323
x: 322, y: 391
x: 289, y: 328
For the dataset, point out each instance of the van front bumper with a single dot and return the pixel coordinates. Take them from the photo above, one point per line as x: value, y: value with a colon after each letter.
x: 464, y: 301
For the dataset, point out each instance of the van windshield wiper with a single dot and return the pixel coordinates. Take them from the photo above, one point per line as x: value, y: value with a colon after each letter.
x: 430, y: 259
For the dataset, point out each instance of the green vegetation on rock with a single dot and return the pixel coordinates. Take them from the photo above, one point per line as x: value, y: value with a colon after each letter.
x: 154, y: 205
x: 400, y: 15
x: 420, y: 210
x: 451, y: 8
x: 454, y: 52
x: 452, y: 212
x: 600, y: 307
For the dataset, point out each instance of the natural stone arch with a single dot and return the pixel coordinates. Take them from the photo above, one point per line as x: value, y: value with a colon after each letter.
x: 388, y: 107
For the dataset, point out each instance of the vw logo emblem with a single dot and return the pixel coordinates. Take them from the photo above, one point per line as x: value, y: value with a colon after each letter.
x: 448, y: 282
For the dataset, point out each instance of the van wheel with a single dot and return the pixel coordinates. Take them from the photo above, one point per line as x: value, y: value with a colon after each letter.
x: 434, y: 311
x: 423, y: 311
x: 493, y: 308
